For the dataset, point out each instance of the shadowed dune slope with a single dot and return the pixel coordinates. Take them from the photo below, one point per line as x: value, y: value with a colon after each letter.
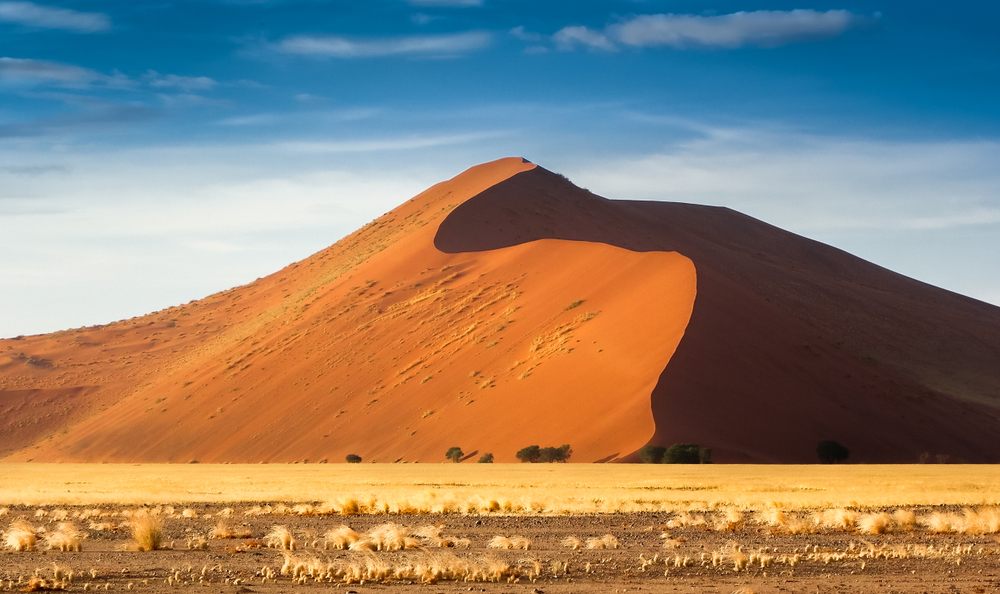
x: 790, y: 342
x: 381, y: 345
x: 507, y: 307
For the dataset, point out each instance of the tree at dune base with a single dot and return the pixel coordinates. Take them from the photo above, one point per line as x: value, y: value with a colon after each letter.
x: 353, y: 459
x: 455, y: 454
x: 831, y: 452
x: 534, y: 453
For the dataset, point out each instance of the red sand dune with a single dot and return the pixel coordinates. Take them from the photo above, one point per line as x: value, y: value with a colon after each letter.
x: 507, y: 307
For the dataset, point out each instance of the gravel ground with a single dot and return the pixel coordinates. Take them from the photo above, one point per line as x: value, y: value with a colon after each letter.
x: 750, y: 558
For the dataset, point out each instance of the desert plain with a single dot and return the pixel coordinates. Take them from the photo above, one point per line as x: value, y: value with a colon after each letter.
x: 502, y: 528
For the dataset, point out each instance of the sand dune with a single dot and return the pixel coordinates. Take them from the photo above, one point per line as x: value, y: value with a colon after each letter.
x: 507, y: 307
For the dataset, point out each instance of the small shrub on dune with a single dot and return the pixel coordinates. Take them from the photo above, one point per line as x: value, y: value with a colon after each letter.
x: 353, y: 459
x: 486, y: 458
x: 147, y: 532
x: 280, y: 537
x: 20, y: 536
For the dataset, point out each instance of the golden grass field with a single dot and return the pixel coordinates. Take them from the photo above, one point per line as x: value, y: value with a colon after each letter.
x: 511, y: 488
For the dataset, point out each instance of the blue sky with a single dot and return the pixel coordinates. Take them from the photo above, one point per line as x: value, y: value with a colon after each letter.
x: 152, y: 153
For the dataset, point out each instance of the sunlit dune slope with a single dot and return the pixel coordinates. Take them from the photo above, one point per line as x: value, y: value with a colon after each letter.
x: 507, y: 307
x: 381, y: 345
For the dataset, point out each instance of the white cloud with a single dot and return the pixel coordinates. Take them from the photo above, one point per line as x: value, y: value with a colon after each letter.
x: 343, y: 47
x: 32, y: 72
x: 570, y: 37
x: 39, y: 70
x: 185, y: 83
x: 47, y: 17
x: 524, y: 35
x: 764, y: 28
x: 811, y: 183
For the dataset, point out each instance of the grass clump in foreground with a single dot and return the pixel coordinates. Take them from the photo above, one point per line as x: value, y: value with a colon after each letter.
x: 20, y: 536
x: 147, y: 533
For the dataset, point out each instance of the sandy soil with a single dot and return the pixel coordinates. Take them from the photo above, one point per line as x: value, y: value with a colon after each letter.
x: 611, y: 570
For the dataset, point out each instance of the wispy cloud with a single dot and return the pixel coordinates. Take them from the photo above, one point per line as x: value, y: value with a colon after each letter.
x: 33, y: 170
x: 571, y: 37
x: 451, y: 3
x: 20, y: 70
x: 764, y: 28
x: 391, y: 144
x: 180, y: 100
x: 343, y: 47
x: 99, y: 117
x: 185, y: 83
x: 761, y: 28
x: 47, y: 17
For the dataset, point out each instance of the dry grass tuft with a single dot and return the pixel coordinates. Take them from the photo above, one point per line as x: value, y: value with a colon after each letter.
x: 514, y: 542
x: 835, y: 519
x: 64, y: 538
x: 904, y: 520
x: 604, y: 542
x: 224, y: 529
x: 280, y: 537
x: 392, y: 537
x: 147, y: 532
x: 20, y: 536
x: 572, y: 542
x: 878, y: 523
x: 341, y: 538
x: 732, y: 519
